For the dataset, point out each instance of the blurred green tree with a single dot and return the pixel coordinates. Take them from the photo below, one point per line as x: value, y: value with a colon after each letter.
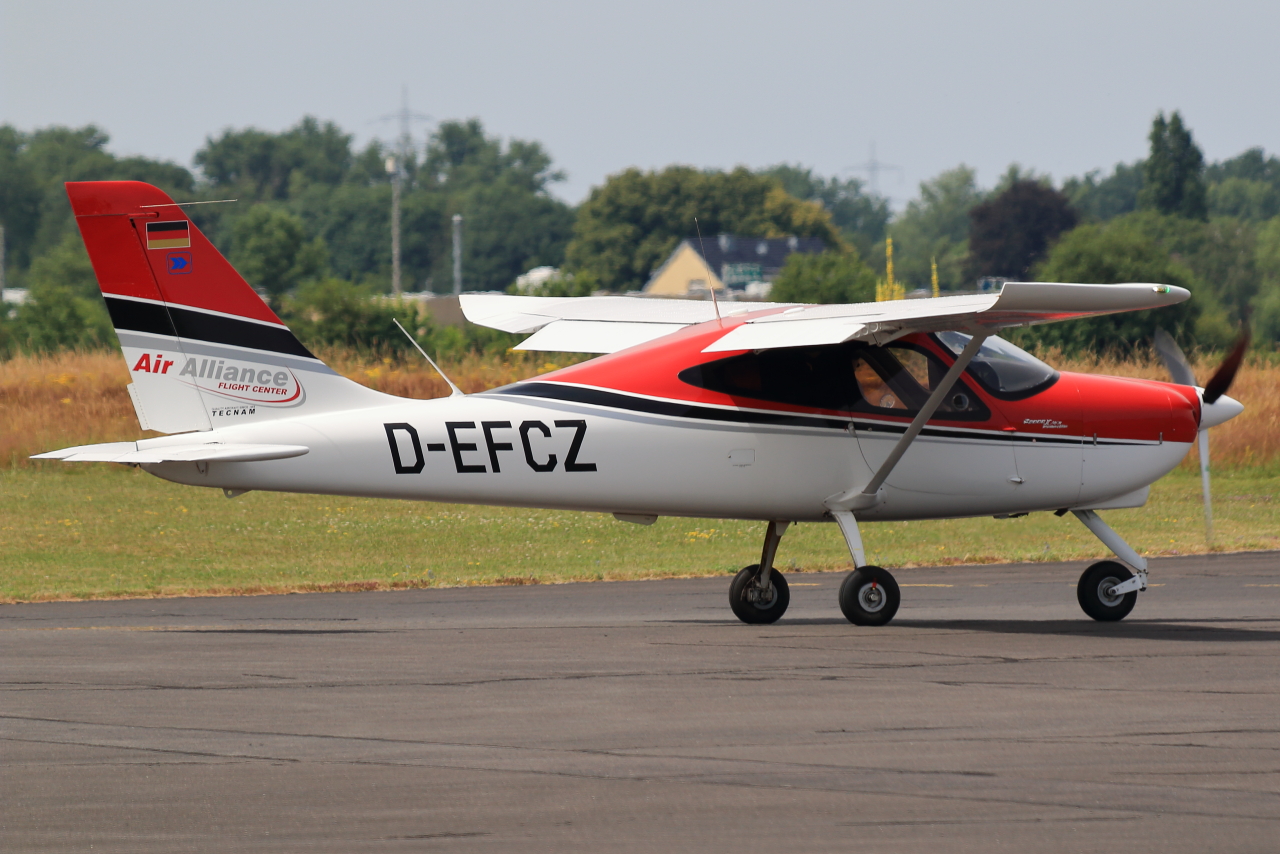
x: 1122, y: 251
x: 862, y: 217
x: 261, y: 165
x: 272, y: 252
x: 1173, y: 174
x: 936, y: 226
x: 64, y: 308
x: 20, y: 198
x: 1266, y: 304
x: 628, y: 226
x: 1100, y: 199
x: 825, y: 277
x: 1011, y: 231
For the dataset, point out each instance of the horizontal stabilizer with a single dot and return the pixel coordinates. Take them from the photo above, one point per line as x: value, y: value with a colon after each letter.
x: 129, y: 452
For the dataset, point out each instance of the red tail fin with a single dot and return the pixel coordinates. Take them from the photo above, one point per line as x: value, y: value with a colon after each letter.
x: 142, y: 243
x: 202, y: 346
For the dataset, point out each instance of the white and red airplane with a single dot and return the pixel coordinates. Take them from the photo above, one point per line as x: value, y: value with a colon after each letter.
x: 908, y: 409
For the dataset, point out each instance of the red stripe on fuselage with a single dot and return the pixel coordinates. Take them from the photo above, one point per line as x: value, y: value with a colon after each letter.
x: 1077, y: 405
x: 653, y: 370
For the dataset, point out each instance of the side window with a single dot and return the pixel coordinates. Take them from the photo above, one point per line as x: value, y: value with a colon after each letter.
x: 916, y: 363
x: 900, y: 378
x: 817, y: 377
x: 875, y: 390
x: 851, y: 377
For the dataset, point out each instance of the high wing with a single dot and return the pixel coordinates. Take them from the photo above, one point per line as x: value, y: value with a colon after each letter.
x: 609, y: 324
x: 594, y: 324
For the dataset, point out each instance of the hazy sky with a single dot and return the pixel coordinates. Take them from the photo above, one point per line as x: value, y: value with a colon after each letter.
x: 1059, y: 87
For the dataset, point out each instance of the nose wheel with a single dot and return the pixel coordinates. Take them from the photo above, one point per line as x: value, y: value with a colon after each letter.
x: 869, y: 596
x: 1101, y: 594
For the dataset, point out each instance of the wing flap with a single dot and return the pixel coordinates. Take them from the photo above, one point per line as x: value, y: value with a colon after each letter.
x: 493, y: 309
x: 595, y: 336
x: 801, y: 333
x: 593, y: 324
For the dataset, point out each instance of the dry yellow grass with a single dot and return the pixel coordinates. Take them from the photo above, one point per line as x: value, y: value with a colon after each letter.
x: 55, y: 401
x: 76, y: 398
x: 1250, y: 440
x: 49, y: 402
x: 416, y: 379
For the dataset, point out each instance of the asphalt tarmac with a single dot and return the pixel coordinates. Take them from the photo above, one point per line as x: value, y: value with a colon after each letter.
x: 992, y: 715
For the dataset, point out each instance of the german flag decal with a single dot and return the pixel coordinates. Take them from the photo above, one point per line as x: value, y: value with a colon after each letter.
x: 169, y: 235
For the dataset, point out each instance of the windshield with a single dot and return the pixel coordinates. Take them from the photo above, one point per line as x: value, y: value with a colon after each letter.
x: 1004, y: 369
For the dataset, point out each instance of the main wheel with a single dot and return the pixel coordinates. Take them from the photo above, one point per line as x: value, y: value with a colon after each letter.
x: 752, y: 606
x: 1094, y: 592
x: 869, y: 596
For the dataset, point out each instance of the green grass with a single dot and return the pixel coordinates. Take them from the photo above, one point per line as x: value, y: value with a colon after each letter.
x: 101, y: 531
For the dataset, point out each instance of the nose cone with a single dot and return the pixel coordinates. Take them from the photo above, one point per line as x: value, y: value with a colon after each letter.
x: 1220, y: 411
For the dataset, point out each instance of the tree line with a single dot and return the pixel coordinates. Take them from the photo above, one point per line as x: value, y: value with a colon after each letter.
x: 311, y: 229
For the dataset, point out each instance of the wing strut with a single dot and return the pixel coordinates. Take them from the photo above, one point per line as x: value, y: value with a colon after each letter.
x: 869, y: 496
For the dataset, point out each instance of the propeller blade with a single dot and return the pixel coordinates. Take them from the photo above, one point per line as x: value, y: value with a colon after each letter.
x: 1203, y: 439
x: 1174, y: 360
x: 1222, y: 378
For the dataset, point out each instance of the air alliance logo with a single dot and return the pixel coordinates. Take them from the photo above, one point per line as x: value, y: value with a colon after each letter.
x: 241, y: 382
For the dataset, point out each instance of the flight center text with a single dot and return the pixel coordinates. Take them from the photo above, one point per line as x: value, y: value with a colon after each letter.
x: 534, y: 439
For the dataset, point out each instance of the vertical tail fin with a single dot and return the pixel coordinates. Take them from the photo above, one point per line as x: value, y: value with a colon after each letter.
x: 202, y: 347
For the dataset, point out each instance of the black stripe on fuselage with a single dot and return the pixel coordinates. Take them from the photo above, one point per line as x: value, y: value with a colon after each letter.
x: 172, y: 320
x: 679, y: 409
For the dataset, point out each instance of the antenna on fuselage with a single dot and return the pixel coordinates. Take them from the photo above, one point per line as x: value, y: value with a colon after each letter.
x: 457, y: 392
x: 710, y: 284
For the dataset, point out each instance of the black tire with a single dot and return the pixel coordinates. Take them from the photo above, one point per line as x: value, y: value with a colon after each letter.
x: 1092, y: 592
x: 742, y: 597
x: 869, y: 596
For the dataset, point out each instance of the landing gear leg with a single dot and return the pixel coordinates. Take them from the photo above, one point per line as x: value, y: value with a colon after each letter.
x: 1108, y: 590
x: 869, y: 595
x: 759, y: 594
x: 852, y: 536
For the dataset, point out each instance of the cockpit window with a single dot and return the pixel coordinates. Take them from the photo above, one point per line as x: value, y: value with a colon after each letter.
x: 873, y: 387
x: 1002, y: 369
x: 850, y: 377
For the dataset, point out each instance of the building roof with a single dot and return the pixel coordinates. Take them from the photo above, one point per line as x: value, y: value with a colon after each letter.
x: 733, y: 262
x: 769, y: 252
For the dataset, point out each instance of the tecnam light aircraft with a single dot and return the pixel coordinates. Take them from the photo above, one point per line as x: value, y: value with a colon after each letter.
x: 908, y: 409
